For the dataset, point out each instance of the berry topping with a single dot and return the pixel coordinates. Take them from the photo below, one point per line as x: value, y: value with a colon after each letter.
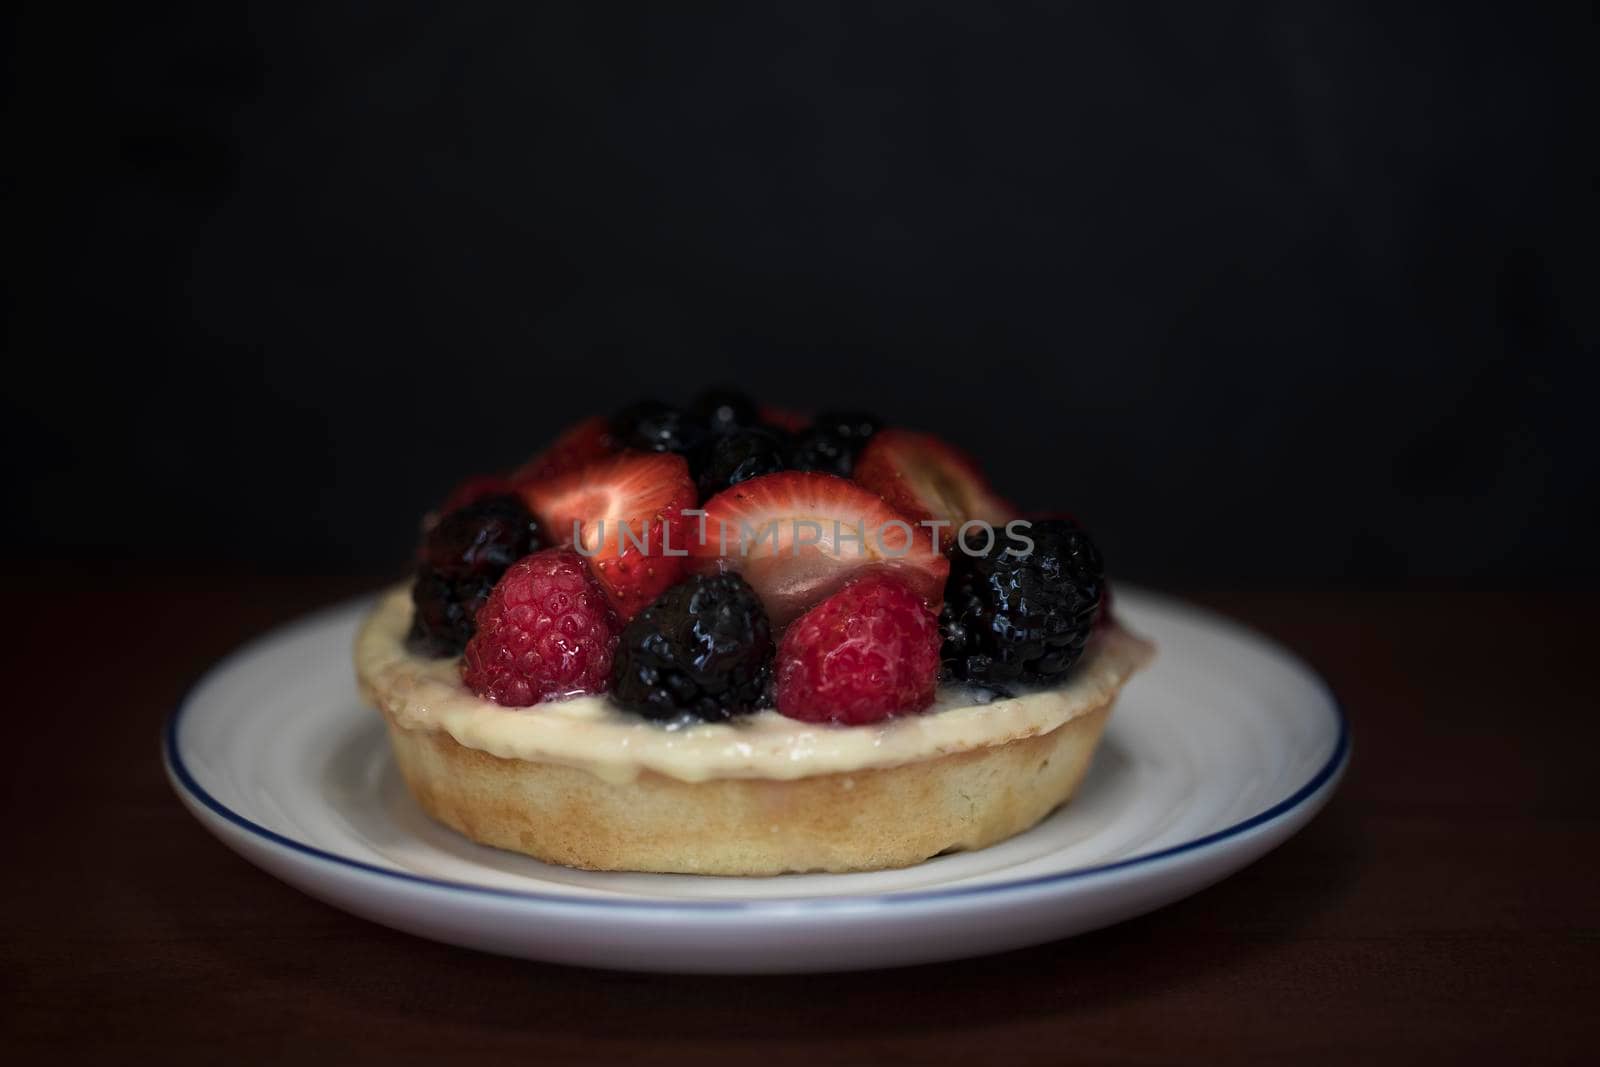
x: 481, y: 539
x: 578, y: 446
x: 704, y: 648
x: 927, y: 479
x: 725, y: 410
x: 738, y: 456
x: 625, y: 514
x: 1026, y: 618
x: 459, y: 560
x: 797, y: 537
x: 869, y: 651
x: 651, y: 426
x: 832, y: 442
x: 545, y: 632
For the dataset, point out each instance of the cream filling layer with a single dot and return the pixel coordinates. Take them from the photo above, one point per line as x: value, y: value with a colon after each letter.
x: 591, y: 732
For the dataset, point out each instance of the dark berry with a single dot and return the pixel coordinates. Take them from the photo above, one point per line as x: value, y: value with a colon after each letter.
x: 725, y: 410
x: 1023, y: 618
x: 702, y: 649
x: 460, y: 560
x: 738, y: 455
x: 486, y: 536
x: 446, y: 610
x: 651, y: 426
x: 833, y: 441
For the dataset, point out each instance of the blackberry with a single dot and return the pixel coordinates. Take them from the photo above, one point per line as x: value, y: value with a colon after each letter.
x: 833, y: 441
x: 446, y: 611
x: 725, y: 410
x: 461, y: 559
x: 651, y: 426
x: 736, y: 456
x: 486, y: 536
x: 703, y: 649
x: 1022, y: 618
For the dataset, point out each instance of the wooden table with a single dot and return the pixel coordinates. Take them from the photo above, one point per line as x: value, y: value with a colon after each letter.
x: 1443, y: 907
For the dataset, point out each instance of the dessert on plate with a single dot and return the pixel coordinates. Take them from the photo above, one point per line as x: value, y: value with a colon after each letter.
x: 727, y: 639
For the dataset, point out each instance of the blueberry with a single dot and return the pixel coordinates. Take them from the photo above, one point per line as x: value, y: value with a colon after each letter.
x: 740, y: 455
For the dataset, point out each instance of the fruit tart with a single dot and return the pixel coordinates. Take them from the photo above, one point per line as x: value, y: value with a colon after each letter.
x: 728, y: 639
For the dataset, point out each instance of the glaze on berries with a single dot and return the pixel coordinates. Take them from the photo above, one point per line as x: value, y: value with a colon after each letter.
x: 1025, y: 618
x: 702, y: 649
x: 651, y: 426
x: 868, y: 652
x: 545, y: 632
x: 738, y: 456
x: 460, y: 560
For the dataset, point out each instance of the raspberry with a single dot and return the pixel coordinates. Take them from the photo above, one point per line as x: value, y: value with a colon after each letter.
x: 460, y: 559
x: 869, y: 651
x: 1022, y: 618
x: 703, y: 648
x: 545, y: 632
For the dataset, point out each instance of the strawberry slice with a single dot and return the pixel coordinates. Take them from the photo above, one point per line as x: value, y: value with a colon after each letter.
x: 930, y: 481
x: 624, y: 514
x: 798, y: 537
x: 578, y: 445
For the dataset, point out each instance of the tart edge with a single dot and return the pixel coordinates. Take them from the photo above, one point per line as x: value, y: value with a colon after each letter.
x: 872, y: 819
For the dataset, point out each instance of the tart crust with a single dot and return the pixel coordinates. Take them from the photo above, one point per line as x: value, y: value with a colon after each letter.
x: 870, y: 820
x: 866, y: 818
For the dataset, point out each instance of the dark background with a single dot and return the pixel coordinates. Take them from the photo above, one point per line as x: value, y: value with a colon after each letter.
x: 1271, y: 294
x: 1278, y: 297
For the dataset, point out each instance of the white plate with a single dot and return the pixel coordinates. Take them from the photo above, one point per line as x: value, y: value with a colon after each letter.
x: 1217, y: 753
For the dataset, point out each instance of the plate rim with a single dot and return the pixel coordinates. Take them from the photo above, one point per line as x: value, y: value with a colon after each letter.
x: 1326, y: 775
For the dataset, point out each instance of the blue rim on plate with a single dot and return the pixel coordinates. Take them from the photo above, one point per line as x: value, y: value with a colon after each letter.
x: 1335, y: 764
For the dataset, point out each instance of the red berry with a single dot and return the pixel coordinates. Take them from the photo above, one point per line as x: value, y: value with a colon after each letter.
x: 779, y: 532
x: 868, y: 652
x: 920, y: 475
x: 578, y: 445
x: 615, y: 505
x: 545, y: 632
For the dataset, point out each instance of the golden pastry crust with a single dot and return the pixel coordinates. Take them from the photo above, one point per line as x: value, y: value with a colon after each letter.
x: 865, y: 820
